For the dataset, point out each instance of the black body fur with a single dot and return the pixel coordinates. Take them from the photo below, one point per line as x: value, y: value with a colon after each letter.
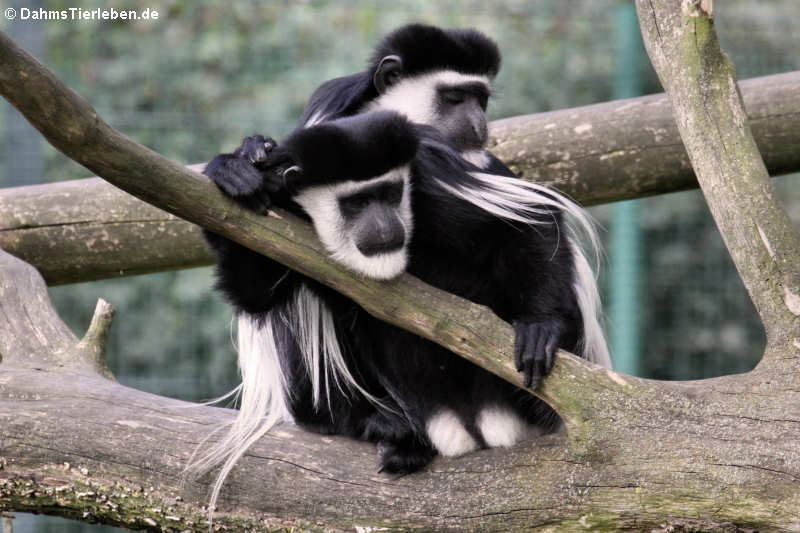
x: 458, y: 248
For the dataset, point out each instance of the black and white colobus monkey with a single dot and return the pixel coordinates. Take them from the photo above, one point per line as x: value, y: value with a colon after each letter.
x: 311, y: 355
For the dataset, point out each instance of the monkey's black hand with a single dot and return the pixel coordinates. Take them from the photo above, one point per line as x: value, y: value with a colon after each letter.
x: 269, y: 159
x: 274, y: 173
x: 535, y: 345
x: 252, y: 173
x: 240, y: 180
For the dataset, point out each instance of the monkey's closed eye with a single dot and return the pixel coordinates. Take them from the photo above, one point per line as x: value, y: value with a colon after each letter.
x: 392, y: 195
x: 454, y: 96
x: 352, y: 205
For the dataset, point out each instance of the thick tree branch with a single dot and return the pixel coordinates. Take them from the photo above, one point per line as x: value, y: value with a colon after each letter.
x: 701, y: 83
x: 86, y: 230
x: 660, y: 455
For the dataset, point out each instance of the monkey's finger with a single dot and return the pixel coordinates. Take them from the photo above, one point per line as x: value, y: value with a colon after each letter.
x: 264, y: 201
x: 253, y: 149
x: 269, y: 143
x: 275, y: 157
x: 539, y: 357
x: 550, y: 350
x: 519, y: 345
x: 529, y: 356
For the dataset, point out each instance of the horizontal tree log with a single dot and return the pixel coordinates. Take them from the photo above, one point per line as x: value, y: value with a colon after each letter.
x: 87, y: 229
x: 86, y: 448
x: 631, y: 148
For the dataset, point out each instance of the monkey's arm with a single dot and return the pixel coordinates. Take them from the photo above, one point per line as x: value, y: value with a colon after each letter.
x: 545, y: 313
x: 542, y: 303
x: 249, y: 281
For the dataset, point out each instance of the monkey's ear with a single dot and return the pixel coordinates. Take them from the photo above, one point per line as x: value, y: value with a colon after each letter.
x: 388, y: 73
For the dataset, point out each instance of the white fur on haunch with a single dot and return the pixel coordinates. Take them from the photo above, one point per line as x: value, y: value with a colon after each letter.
x: 448, y: 435
x: 322, y: 205
x: 311, y: 321
x: 415, y: 97
x: 523, y: 201
x: 502, y: 427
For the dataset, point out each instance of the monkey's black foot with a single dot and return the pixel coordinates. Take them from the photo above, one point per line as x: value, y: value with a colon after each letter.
x: 403, y: 458
x: 535, y: 345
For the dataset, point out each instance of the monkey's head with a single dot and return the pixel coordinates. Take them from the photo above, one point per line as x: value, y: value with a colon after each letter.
x: 352, y: 179
x: 439, y: 77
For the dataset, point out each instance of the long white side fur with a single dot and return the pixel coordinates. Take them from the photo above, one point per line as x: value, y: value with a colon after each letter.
x: 263, y: 396
x: 263, y: 393
x: 312, y: 323
x: 527, y: 202
x: 594, y: 345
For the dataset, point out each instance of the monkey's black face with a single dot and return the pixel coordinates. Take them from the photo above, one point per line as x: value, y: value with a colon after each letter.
x: 373, y: 218
x: 461, y: 114
x: 452, y: 102
x: 365, y: 225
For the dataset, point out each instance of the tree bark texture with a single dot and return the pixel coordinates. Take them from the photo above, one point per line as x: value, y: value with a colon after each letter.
x: 87, y: 230
x: 701, y: 82
x: 631, y: 148
x: 714, y: 455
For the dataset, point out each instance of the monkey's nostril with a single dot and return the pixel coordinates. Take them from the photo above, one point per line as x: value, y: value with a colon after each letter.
x: 381, y: 243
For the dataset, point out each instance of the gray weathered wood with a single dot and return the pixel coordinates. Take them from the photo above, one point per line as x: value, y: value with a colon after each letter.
x: 86, y: 230
x: 701, y: 83
x: 631, y: 148
x: 711, y: 455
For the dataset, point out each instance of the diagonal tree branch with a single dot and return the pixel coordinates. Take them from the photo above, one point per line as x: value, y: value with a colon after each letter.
x: 701, y: 82
x: 463, y: 327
